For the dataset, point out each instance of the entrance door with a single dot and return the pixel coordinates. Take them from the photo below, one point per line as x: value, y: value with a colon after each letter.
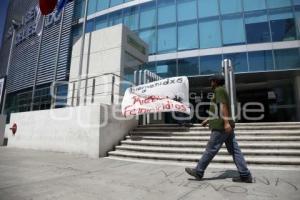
x: 249, y: 100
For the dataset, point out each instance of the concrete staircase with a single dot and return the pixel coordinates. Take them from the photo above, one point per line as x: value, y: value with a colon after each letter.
x: 263, y: 144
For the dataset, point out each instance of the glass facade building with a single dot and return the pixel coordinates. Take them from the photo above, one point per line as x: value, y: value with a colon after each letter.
x: 37, y: 59
x: 192, y: 37
x: 171, y: 26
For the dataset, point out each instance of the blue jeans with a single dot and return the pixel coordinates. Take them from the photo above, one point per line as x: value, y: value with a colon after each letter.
x: 217, y: 138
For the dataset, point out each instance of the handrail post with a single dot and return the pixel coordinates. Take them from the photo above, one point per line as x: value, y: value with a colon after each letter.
x: 112, y: 89
x: 93, y: 90
x: 73, y: 93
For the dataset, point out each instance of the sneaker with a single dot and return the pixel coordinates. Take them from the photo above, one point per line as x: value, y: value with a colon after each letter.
x: 193, y: 173
x: 241, y: 179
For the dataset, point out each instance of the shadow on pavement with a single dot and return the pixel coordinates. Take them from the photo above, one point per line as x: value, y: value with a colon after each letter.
x: 225, y: 174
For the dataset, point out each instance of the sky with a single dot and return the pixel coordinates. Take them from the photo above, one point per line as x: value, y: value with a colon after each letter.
x: 3, y: 9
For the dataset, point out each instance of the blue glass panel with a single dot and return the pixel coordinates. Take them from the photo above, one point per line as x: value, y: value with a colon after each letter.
x: 187, y: 35
x: 186, y: 10
x: 188, y: 66
x: 282, y: 25
x: 148, y: 15
x: 115, y: 18
x: 101, y: 22
x: 79, y: 9
x: 150, y: 38
x: 296, y: 2
x: 115, y: 2
x: 166, y: 39
x: 77, y: 31
x: 239, y: 61
x: 89, y: 26
x: 230, y: 6
x: 92, y: 5
x: 210, y: 33
x: 278, y: 3
x: 207, y: 8
x: 166, y: 11
x: 102, y: 4
x: 166, y: 68
x: 287, y: 58
x: 233, y: 30
x: 260, y: 61
x: 151, y: 66
x: 131, y: 18
x: 297, y: 16
x: 257, y: 27
x: 250, y: 5
x: 210, y: 64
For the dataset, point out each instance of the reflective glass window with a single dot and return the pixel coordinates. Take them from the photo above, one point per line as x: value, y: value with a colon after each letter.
x: 296, y: 2
x: 89, y: 26
x: 282, y: 25
x: 260, y: 61
x: 297, y: 19
x: 166, y: 68
x: 76, y: 31
x: 78, y: 9
x: 187, y: 35
x: 210, y: 33
x: 287, y: 58
x: 230, y: 6
x: 210, y: 64
x: 233, y: 30
x: 150, y: 38
x: 278, y: 3
x: 102, y: 4
x: 131, y: 18
x: 239, y: 61
x: 115, y: 18
x: 101, y: 22
x: 166, y: 11
x: 92, y: 6
x: 151, y: 66
x: 257, y: 27
x: 148, y: 15
x: 166, y: 38
x: 115, y: 2
x: 188, y: 66
x: 186, y: 10
x: 250, y: 5
x: 208, y: 8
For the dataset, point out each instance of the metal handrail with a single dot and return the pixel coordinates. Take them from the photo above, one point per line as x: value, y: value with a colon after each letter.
x: 104, y: 74
x: 71, y: 91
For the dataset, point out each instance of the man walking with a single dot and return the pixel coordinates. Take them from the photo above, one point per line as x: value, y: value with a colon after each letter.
x: 221, y: 126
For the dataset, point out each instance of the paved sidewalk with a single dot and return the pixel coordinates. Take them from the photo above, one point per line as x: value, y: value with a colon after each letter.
x: 27, y: 174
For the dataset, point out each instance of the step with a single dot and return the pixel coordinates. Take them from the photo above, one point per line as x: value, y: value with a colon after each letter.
x: 257, y: 144
x: 184, y: 164
x: 206, y: 138
x: 208, y: 133
x: 199, y: 151
x: 237, y: 124
x: 180, y: 128
x: 273, y: 160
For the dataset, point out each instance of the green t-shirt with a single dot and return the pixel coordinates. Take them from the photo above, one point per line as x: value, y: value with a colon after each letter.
x: 215, y: 121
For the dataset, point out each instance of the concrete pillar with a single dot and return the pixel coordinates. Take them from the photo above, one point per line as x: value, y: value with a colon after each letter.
x: 297, y: 96
x: 2, y: 128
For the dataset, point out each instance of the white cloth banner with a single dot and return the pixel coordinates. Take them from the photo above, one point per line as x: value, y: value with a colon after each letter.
x: 1, y: 88
x: 171, y: 94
